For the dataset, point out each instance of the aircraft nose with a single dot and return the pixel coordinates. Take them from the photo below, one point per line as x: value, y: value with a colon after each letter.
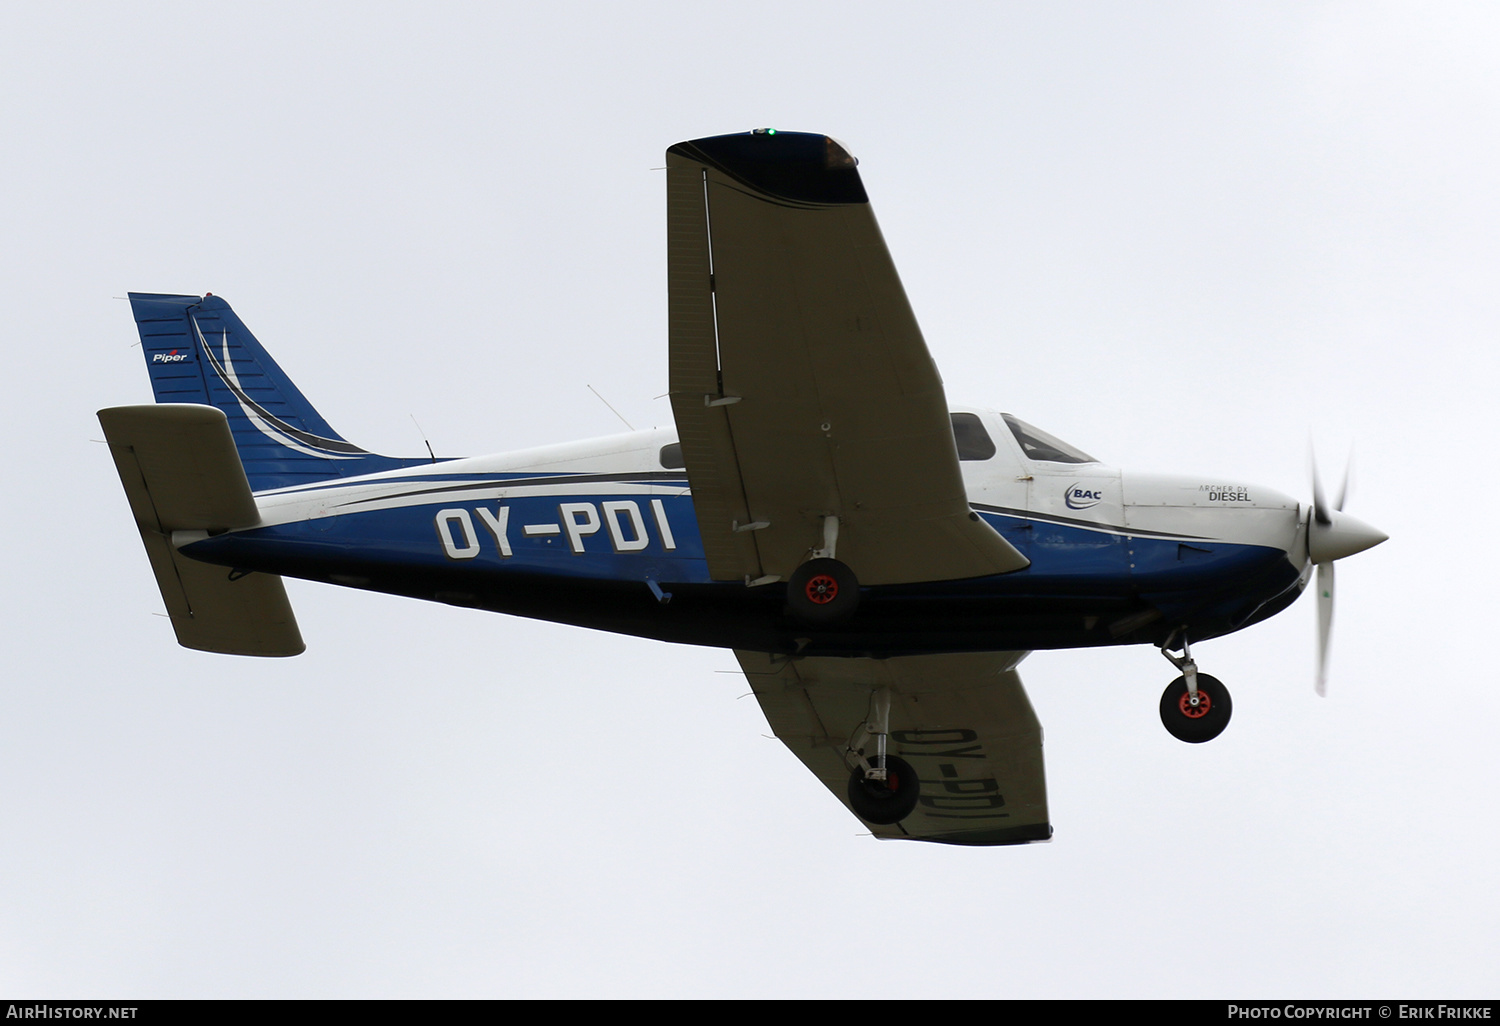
x: 1343, y: 535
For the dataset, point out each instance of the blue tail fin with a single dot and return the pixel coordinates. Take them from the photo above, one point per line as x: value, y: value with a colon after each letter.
x: 198, y: 351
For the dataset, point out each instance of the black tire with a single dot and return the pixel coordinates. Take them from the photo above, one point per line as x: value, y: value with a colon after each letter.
x: 1203, y: 723
x: 885, y: 801
x: 822, y: 592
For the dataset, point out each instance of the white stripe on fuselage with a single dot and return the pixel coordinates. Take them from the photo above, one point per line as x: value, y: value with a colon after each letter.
x: 1190, y: 508
x: 479, y: 479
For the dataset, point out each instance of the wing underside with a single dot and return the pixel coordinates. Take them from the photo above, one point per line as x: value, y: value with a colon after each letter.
x: 963, y: 721
x: 800, y: 382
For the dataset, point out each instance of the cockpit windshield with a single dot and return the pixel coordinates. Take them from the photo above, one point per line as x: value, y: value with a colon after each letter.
x: 1038, y: 445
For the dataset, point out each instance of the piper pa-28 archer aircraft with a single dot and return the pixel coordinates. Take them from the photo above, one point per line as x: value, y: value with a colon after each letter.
x: 879, y: 562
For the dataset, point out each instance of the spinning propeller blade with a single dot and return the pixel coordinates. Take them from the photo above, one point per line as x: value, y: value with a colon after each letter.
x: 1325, y: 623
x: 1332, y: 534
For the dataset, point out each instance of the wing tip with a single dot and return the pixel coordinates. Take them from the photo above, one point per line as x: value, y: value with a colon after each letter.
x: 1036, y: 833
x: 803, y: 167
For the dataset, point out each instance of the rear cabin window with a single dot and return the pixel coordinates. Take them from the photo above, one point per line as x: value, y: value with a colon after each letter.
x: 973, y: 441
x: 671, y: 457
x: 1038, y: 445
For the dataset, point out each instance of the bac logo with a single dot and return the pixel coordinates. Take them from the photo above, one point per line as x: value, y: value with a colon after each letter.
x: 1081, y: 497
x: 175, y: 356
x: 620, y: 519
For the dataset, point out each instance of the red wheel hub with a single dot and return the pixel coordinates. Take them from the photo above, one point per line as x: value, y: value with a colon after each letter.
x: 822, y: 589
x: 1191, y: 711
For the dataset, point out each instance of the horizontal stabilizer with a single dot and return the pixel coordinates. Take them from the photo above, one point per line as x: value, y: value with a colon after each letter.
x: 181, y: 472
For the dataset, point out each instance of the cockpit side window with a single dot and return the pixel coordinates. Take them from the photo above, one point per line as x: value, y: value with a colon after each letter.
x: 1038, y: 445
x: 973, y: 441
x: 671, y: 456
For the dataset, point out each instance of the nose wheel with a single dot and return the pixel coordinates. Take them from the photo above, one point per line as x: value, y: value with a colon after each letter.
x: 1195, y: 721
x: 1195, y: 707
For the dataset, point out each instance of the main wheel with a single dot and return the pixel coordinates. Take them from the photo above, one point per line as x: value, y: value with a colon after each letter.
x: 822, y: 592
x: 1196, y: 723
x: 885, y: 801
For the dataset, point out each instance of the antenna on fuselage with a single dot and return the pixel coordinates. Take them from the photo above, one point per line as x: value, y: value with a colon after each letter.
x: 425, y: 442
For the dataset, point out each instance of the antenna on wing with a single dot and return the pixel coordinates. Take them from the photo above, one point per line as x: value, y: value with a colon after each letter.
x: 611, y: 408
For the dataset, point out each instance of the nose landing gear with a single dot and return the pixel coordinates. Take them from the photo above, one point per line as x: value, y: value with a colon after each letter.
x: 1195, y: 707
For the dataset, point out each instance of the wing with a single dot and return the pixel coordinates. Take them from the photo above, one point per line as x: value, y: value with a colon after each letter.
x: 962, y: 720
x: 800, y: 383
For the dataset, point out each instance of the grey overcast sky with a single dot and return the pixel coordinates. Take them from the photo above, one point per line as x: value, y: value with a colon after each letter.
x: 1184, y: 236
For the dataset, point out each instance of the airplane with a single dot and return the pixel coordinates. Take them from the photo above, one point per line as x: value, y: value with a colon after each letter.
x: 878, y: 561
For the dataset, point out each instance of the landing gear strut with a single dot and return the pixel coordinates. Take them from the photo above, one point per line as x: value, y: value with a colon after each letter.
x: 1195, y: 707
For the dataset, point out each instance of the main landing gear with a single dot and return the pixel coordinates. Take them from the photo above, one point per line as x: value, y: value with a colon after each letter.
x: 1195, y: 707
x: 885, y: 801
x: 883, y: 790
x: 823, y: 591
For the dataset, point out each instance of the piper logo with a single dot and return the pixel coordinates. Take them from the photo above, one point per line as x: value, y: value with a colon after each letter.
x: 175, y: 356
x: 1079, y: 497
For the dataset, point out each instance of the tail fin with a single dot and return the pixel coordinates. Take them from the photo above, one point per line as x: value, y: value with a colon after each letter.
x: 198, y: 351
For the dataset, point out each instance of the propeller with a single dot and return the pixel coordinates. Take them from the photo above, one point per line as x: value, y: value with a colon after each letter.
x: 1332, y: 534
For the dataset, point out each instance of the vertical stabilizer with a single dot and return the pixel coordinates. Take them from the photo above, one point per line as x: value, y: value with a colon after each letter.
x: 198, y: 351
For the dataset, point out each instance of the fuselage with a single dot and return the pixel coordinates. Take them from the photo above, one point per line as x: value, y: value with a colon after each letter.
x: 602, y: 533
